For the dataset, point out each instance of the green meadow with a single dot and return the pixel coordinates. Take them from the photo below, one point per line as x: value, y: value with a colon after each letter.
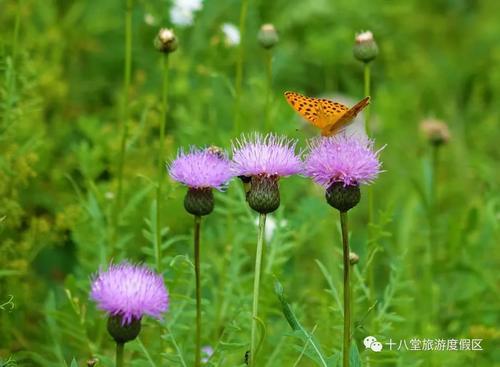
x: 92, y: 114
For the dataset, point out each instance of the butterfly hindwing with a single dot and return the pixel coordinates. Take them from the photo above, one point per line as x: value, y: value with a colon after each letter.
x: 346, y: 118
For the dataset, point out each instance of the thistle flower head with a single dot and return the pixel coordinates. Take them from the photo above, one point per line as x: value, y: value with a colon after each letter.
x: 365, y: 48
x: 267, y: 36
x: 166, y: 41
x: 436, y: 131
x: 344, y: 159
x: 201, y: 169
x: 260, y: 161
x: 130, y: 292
x: 269, y: 155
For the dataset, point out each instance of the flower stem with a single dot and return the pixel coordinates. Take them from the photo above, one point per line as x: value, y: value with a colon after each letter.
x: 197, y: 223
x: 163, y: 119
x: 347, y: 290
x: 239, y: 65
x: 367, y: 75
x: 123, y: 117
x: 256, y: 287
x: 269, y: 71
x: 119, y: 354
x: 367, y: 92
x: 431, y: 244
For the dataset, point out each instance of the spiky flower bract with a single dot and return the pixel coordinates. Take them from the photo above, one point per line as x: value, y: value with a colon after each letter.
x: 130, y: 292
x: 270, y: 155
x: 201, y: 168
x: 349, y: 160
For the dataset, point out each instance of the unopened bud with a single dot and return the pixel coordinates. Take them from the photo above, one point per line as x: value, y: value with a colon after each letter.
x: 166, y: 41
x: 365, y: 49
x: 353, y: 258
x: 436, y: 131
x: 268, y: 37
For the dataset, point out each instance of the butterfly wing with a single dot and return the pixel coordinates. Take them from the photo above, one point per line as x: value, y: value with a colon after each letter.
x: 346, y: 118
x: 309, y: 108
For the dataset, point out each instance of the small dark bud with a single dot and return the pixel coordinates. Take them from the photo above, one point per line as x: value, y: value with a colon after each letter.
x: 343, y: 197
x: 267, y: 36
x: 123, y: 333
x: 264, y: 194
x: 166, y: 41
x: 365, y: 49
x: 353, y: 258
x: 199, y: 202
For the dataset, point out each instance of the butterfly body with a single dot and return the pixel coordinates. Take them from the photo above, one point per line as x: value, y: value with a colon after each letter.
x: 329, y: 116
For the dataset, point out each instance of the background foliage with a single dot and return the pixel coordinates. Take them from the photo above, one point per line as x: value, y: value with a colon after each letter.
x: 60, y: 86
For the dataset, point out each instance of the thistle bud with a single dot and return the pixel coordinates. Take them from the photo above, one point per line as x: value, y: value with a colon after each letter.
x: 166, y: 41
x: 436, y: 131
x: 365, y: 49
x: 343, y: 197
x: 264, y: 194
x: 353, y: 258
x: 267, y: 36
x: 121, y: 332
x: 199, y: 201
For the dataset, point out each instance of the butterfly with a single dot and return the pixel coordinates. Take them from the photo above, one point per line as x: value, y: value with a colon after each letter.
x: 331, y: 117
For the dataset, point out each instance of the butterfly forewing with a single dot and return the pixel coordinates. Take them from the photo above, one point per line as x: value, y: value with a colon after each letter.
x: 309, y: 108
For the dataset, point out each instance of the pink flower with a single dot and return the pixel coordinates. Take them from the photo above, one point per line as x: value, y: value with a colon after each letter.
x: 200, y: 169
x: 130, y: 291
x: 269, y: 155
x: 339, y: 158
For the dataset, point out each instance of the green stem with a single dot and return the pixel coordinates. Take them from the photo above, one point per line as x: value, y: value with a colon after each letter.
x: 239, y: 65
x: 269, y: 71
x: 17, y: 26
x: 347, y: 290
x: 432, y: 247
x: 123, y: 116
x: 367, y: 72
x: 256, y: 288
x: 367, y: 92
x: 119, y: 354
x: 197, y: 223
x: 161, y: 168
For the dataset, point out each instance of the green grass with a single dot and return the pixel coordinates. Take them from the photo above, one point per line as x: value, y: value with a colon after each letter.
x: 61, y: 93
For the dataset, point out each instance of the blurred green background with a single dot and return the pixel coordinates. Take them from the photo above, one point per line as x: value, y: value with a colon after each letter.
x: 61, y: 82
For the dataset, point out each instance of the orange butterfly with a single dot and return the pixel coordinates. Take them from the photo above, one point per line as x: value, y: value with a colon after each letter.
x: 331, y: 117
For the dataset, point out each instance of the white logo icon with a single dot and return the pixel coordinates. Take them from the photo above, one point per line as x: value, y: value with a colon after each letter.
x: 371, y: 342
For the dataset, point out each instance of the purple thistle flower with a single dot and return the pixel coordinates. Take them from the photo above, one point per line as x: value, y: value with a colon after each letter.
x: 200, y: 169
x: 130, y: 291
x: 340, y: 158
x: 269, y: 155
